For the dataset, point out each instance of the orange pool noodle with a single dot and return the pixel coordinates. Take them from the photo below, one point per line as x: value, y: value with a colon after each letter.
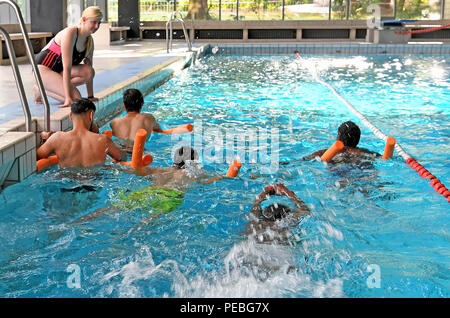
x: 234, y: 168
x: 46, y: 162
x: 389, y: 148
x: 108, y: 133
x: 146, y: 160
x: 138, y: 148
x: 333, y: 150
x: 177, y: 130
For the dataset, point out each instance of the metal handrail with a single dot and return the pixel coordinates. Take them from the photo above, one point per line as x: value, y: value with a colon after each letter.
x: 173, y: 18
x: 30, y: 53
x: 18, y: 78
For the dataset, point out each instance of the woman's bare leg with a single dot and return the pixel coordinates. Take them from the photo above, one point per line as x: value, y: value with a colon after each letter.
x: 53, y: 82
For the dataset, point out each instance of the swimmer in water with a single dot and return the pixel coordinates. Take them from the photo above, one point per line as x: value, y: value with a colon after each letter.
x: 126, y: 127
x: 80, y: 147
x: 264, y: 221
x: 349, y: 133
x: 167, y: 190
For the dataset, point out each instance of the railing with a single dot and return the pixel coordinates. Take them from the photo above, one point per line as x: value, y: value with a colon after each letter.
x: 37, y: 75
x: 169, y: 31
x: 17, y: 77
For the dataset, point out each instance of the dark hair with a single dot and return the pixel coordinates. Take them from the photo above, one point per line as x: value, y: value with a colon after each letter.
x: 349, y: 133
x: 82, y: 105
x: 133, y: 100
x: 183, y: 154
x: 275, y: 212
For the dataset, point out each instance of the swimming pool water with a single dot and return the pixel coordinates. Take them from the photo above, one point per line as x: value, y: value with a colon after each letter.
x: 383, y: 216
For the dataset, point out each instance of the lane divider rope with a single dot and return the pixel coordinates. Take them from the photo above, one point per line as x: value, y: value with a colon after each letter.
x: 434, y: 182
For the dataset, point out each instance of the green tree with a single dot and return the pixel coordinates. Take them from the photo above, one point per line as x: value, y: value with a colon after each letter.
x: 198, y: 10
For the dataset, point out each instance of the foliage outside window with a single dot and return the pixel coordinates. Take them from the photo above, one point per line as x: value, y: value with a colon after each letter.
x: 306, y: 10
x: 225, y: 10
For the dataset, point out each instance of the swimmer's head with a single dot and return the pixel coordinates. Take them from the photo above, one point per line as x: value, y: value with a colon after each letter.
x: 275, y: 212
x: 133, y: 100
x: 182, y: 155
x: 82, y: 106
x: 349, y: 133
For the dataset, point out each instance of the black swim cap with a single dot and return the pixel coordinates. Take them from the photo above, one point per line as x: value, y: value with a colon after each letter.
x: 275, y: 212
x: 182, y: 155
x: 82, y: 105
x: 349, y: 133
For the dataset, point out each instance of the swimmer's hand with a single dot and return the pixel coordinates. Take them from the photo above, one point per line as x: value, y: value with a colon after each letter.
x: 45, y: 135
x: 280, y: 189
x: 93, y: 99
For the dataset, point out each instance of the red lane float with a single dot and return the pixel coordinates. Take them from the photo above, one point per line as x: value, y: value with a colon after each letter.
x: 423, y: 31
x: 332, y: 151
x: 434, y: 182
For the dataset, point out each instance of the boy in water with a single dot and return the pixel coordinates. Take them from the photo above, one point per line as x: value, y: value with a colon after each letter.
x: 349, y: 133
x: 266, y: 219
x: 80, y: 146
x: 126, y: 127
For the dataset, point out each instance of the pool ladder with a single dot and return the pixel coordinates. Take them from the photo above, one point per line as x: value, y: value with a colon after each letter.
x: 169, y: 35
x: 16, y: 72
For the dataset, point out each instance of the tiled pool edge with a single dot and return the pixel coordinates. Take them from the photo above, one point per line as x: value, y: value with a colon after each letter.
x: 18, y: 148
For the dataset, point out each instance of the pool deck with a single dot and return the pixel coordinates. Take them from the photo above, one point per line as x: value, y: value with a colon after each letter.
x: 113, y: 65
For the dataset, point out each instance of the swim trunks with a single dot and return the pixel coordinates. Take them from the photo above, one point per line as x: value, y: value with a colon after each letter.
x: 52, y: 58
x: 160, y: 200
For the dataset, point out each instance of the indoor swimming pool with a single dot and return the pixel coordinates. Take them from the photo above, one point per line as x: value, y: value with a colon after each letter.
x: 377, y: 230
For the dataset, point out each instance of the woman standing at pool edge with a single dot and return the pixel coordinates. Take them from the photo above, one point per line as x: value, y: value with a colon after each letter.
x: 59, y: 62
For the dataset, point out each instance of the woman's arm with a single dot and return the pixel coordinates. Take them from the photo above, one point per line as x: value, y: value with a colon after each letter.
x: 67, y: 43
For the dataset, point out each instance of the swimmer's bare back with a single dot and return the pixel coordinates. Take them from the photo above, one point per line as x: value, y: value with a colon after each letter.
x: 126, y: 127
x: 79, y: 148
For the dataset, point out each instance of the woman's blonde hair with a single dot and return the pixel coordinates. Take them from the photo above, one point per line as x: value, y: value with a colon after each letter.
x: 92, y: 12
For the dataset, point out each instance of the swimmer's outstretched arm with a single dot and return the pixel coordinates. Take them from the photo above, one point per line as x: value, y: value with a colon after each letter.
x: 318, y: 153
x: 280, y: 189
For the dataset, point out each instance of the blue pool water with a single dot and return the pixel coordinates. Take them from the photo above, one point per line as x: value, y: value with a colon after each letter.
x: 382, y: 222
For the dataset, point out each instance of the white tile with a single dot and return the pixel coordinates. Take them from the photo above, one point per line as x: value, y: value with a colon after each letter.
x: 30, y: 143
x: 22, y: 165
x: 33, y: 161
x: 13, y: 174
x: 8, y: 155
x: 19, y: 148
